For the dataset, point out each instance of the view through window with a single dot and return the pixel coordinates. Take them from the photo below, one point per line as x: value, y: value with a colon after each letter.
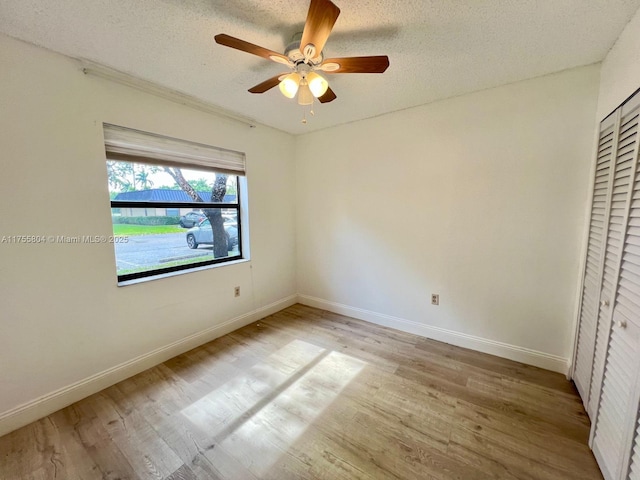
x: 170, y: 218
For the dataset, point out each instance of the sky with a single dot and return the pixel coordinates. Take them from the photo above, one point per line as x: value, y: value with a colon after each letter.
x: 162, y: 179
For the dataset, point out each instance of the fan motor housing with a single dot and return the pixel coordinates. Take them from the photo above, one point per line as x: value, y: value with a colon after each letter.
x: 293, y: 52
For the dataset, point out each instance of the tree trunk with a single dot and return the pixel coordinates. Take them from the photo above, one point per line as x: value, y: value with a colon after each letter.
x: 220, y: 245
x: 219, y: 190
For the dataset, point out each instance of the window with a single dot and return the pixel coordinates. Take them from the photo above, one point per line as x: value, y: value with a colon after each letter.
x: 175, y: 205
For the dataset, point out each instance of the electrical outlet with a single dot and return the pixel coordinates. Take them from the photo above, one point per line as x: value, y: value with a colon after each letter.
x: 435, y: 299
x: 236, y: 291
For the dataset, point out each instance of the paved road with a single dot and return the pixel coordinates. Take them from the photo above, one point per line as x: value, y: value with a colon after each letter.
x: 155, y: 250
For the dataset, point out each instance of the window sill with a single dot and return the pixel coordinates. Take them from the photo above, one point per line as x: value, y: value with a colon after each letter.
x: 180, y: 272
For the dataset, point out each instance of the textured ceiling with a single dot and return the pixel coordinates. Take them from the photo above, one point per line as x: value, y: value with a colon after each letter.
x: 437, y: 48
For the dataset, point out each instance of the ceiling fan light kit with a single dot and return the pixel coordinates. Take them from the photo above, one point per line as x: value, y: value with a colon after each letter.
x: 289, y: 84
x: 304, y: 55
x: 305, y: 97
x: 317, y: 84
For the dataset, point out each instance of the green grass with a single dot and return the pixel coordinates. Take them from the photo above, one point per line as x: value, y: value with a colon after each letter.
x: 174, y: 263
x: 131, y: 230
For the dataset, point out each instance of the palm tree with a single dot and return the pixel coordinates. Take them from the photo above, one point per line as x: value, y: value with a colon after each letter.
x: 143, y: 178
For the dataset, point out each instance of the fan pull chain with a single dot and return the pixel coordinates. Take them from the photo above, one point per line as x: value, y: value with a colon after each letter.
x: 304, y: 114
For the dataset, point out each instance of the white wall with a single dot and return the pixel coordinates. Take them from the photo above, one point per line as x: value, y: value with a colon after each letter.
x: 479, y: 198
x: 620, y: 76
x: 63, y: 319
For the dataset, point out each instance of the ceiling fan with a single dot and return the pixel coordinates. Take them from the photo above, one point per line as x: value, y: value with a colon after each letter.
x: 304, y: 57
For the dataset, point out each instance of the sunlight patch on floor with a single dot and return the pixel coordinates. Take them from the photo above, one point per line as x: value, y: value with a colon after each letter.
x: 257, y: 416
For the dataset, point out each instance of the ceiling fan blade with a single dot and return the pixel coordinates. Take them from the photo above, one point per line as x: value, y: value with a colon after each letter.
x: 229, y: 41
x: 328, y: 96
x: 320, y: 20
x: 375, y: 64
x: 267, y: 84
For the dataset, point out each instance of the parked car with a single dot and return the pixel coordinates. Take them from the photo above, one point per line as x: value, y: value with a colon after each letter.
x: 191, y: 219
x: 230, y: 220
x: 202, y: 234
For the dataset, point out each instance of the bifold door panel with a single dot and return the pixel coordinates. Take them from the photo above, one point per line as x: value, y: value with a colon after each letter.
x: 607, y: 356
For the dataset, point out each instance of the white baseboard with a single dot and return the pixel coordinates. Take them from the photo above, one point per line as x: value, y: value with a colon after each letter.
x: 41, y: 407
x: 485, y: 345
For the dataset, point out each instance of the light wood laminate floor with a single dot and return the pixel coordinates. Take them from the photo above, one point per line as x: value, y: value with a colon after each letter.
x: 307, y: 394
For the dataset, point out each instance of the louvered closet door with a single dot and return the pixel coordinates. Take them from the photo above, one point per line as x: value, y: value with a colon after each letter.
x: 591, y: 283
x: 623, y: 176
x: 634, y: 471
x: 629, y: 311
x: 614, y: 393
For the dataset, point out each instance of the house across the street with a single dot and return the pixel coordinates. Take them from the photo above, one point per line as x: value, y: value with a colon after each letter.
x: 162, y: 195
